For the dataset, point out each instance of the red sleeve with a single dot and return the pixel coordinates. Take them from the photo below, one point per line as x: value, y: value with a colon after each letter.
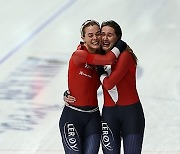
x: 123, y: 64
x: 83, y: 56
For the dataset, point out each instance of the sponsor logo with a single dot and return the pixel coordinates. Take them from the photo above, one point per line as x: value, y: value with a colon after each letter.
x: 71, y: 136
x: 88, y: 66
x: 84, y: 74
x: 107, y: 136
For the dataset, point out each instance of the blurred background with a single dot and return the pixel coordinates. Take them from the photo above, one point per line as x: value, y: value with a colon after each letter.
x: 37, y: 39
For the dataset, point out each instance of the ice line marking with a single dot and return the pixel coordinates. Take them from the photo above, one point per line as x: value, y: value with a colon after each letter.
x: 36, y: 31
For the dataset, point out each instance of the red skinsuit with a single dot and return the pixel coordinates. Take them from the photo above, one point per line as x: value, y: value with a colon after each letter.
x: 83, y: 79
x: 124, y: 77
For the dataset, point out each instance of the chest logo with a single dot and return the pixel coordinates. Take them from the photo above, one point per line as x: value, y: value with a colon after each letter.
x: 84, y: 74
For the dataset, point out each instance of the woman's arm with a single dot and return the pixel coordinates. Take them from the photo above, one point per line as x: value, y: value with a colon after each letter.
x: 125, y: 60
x: 83, y: 56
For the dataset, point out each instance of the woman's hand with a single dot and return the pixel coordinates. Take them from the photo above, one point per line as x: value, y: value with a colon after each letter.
x: 68, y: 98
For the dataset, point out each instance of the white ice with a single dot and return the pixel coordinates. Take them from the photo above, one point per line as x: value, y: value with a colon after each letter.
x: 36, y: 41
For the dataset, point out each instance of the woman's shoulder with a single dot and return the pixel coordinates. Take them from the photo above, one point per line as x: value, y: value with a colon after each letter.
x: 126, y: 53
x: 127, y: 56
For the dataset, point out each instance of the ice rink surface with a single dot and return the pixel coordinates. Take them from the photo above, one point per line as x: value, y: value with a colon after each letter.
x: 36, y: 41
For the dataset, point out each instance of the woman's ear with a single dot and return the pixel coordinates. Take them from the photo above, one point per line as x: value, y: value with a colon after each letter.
x: 82, y: 37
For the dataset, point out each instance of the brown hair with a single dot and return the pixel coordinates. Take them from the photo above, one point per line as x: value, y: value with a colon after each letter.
x: 128, y: 49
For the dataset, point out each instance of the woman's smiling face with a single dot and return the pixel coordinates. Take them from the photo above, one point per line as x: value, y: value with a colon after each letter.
x: 108, y: 37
